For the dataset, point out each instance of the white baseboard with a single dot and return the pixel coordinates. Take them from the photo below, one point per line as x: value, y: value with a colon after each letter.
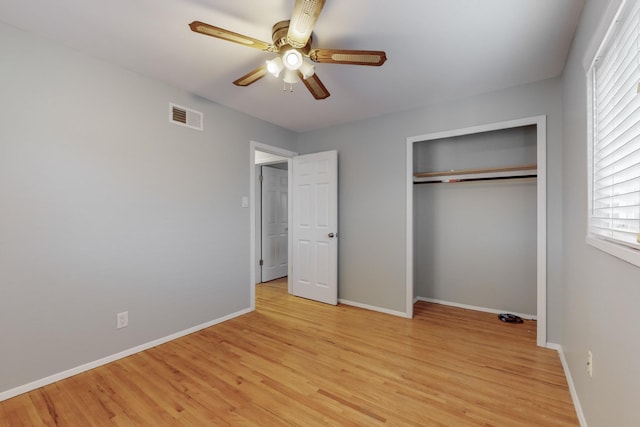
x: 91, y: 365
x: 476, y: 308
x: 374, y: 308
x: 572, y: 388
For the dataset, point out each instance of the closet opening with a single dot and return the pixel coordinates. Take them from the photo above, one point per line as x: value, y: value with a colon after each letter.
x: 476, y: 219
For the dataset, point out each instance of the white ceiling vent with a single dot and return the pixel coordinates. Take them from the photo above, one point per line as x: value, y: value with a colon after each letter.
x: 185, y: 117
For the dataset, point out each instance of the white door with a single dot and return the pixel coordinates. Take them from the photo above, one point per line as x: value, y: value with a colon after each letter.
x: 315, y: 226
x: 275, y: 188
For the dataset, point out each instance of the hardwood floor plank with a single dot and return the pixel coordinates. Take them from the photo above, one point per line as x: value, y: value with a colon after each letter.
x: 301, y: 363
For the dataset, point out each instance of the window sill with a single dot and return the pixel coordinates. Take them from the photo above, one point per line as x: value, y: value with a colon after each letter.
x: 625, y: 253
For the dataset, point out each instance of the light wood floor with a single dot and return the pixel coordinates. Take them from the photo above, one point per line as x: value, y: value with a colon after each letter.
x: 297, y: 362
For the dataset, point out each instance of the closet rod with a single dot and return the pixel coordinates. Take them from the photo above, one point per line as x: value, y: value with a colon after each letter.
x: 506, y: 172
x: 491, y: 178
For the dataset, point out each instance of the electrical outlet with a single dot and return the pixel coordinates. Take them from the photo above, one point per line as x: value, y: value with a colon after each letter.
x: 590, y: 363
x: 122, y: 319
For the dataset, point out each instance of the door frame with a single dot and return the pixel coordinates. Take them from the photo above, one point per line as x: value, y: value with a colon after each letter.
x: 289, y: 155
x: 541, y: 139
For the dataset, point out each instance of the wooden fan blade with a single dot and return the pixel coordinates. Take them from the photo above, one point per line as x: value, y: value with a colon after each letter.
x: 304, y: 17
x: 352, y: 57
x: 230, y: 36
x: 315, y: 86
x: 252, y: 76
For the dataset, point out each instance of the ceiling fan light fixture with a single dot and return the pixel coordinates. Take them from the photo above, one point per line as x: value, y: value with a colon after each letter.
x: 307, y: 69
x: 291, y: 77
x: 292, y: 59
x: 275, y: 66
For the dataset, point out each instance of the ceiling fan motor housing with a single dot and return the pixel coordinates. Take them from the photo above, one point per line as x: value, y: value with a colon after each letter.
x: 279, y: 36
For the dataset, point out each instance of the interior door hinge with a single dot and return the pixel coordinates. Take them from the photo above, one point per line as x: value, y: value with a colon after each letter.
x: 261, y: 263
x: 261, y: 178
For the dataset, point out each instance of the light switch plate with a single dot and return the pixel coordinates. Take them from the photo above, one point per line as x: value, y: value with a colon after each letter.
x: 122, y: 319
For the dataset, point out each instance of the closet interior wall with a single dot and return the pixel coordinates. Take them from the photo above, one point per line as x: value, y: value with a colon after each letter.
x: 475, y: 241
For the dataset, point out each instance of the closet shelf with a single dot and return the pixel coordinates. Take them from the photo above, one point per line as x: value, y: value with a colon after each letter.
x: 520, y: 171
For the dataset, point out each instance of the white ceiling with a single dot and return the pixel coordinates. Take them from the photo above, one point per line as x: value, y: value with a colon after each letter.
x: 437, y: 50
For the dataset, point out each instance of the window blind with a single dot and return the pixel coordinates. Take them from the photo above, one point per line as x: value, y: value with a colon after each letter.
x: 615, y: 185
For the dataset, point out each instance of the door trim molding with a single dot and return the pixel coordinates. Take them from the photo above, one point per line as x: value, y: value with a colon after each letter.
x: 541, y: 191
x: 253, y: 146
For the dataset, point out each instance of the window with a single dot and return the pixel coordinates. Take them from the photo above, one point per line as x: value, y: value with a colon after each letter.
x: 614, y: 76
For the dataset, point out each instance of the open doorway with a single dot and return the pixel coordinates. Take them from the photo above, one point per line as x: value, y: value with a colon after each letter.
x: 265, y: 155
x: 312, y: 222
x: 272, y: 227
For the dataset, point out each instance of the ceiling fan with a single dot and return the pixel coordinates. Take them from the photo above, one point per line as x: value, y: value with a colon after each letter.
x: 292, y: 42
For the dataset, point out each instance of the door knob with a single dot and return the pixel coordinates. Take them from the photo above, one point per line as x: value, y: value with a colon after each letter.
x: 331, y: 235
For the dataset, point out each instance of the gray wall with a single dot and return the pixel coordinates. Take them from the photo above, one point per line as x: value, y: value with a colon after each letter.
x: 106, y: 207
x: 600, y: 309
x: 372, y: 174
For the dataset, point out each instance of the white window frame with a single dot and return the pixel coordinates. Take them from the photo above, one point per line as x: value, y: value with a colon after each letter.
x: 617, y: 11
